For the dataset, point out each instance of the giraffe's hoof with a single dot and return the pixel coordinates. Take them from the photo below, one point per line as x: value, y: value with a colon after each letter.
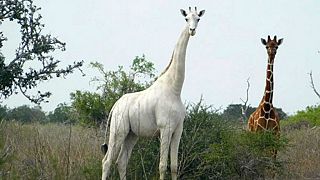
x: 104, y: 148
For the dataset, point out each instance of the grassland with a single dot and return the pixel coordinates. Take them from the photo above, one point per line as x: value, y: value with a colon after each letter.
x: 57, y: 151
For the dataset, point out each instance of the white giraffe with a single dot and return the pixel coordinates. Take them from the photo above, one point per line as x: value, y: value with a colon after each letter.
x: 156, y: 110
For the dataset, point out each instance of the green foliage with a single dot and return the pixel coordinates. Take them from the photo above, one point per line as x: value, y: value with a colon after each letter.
x: 144, y: 162
x: 233, y: 112
x: 90, y: 107
x: 202, y: 127
x: 26, y: 114
x: 245, y: 155
x: 115, y: 84
x: 33, y: 62
x: 142, y: 68
x: 92, y: 169
x: 215, y: 147
x: 93, y: 107
x: 3, y: 112
x: 63, y: 113
x: 309, y: 116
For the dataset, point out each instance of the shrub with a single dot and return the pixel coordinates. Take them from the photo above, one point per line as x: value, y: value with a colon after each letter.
x: 311, y: 115
x: 242, y: 154
x: 202, y: 127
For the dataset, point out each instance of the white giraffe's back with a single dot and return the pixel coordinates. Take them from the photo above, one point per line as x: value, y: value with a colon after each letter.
x: 145, y: 112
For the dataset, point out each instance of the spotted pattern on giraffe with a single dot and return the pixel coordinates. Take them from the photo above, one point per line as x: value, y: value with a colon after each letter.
x: 265, y: 116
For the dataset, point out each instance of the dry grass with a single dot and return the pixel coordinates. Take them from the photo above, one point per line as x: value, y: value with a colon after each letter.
x: 51, y: 152
x: 37, y: 151
x: 303, y: 156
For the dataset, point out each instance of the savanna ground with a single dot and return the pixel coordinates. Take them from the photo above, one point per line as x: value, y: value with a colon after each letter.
x: 212, y: 147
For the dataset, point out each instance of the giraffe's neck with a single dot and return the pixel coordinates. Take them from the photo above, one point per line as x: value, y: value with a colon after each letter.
x: 268, y: 93
x: 174, y: 74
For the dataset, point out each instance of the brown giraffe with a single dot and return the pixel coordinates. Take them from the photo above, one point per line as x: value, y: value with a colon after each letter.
x: 265, y: 116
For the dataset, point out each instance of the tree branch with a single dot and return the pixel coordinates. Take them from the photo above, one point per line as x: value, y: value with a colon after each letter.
x: 244, y: 107
x: 35, y: 47
x: 312, y: 85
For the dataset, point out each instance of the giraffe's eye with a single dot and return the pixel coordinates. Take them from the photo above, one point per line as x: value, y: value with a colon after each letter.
x: 198, y: 20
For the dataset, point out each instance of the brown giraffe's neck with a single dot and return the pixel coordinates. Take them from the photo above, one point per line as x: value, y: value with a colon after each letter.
x: 268, y: 92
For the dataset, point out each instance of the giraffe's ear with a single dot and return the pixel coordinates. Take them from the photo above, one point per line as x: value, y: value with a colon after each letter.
x: 280, y: 41
x: 263, y: 41
x: 183, y: 12
x: 201, y: 13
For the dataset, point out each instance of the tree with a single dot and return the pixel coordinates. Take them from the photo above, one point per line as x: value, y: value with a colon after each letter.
x: 94, y: 107
x: 90, y: 107
x: 33, y: 62
x: 63, y: 113
x: 115, y: 84
x: 3, y: 112
x: 245, y: 106
x: 234, y: 112
x: 26, y: 114
x: 202, y: 127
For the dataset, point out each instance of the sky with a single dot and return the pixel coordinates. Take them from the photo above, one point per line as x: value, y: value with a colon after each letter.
x: 223, y: 54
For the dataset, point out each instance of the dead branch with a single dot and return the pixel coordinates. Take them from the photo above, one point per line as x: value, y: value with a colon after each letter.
x: 313, y: 86
x: 245, y: 106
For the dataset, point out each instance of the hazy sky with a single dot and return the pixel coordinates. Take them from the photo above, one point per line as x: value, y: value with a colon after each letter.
x: 225, y: 51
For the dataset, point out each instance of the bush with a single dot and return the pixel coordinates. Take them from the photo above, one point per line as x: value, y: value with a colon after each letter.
x: 242, y: 154
x: 202, y: 127
x: 144, y: 162
x: 311, y: 116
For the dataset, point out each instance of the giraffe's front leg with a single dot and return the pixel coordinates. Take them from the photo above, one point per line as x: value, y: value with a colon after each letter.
x: 165, y: 138
x: 174, y: 147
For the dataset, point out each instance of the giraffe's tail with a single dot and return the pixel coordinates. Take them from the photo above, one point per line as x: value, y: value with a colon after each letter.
x: 104, y: 146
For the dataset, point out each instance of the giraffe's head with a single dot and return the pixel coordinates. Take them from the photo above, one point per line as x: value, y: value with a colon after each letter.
x: 192, y: 18
x: 271, y: 45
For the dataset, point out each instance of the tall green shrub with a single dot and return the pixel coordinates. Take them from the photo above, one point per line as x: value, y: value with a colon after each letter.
x: 311, y: 115
x: 242, y: 154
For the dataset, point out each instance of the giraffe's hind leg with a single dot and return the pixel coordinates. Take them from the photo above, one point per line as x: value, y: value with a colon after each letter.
x: 115, y: 143
x: 125, y: 153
